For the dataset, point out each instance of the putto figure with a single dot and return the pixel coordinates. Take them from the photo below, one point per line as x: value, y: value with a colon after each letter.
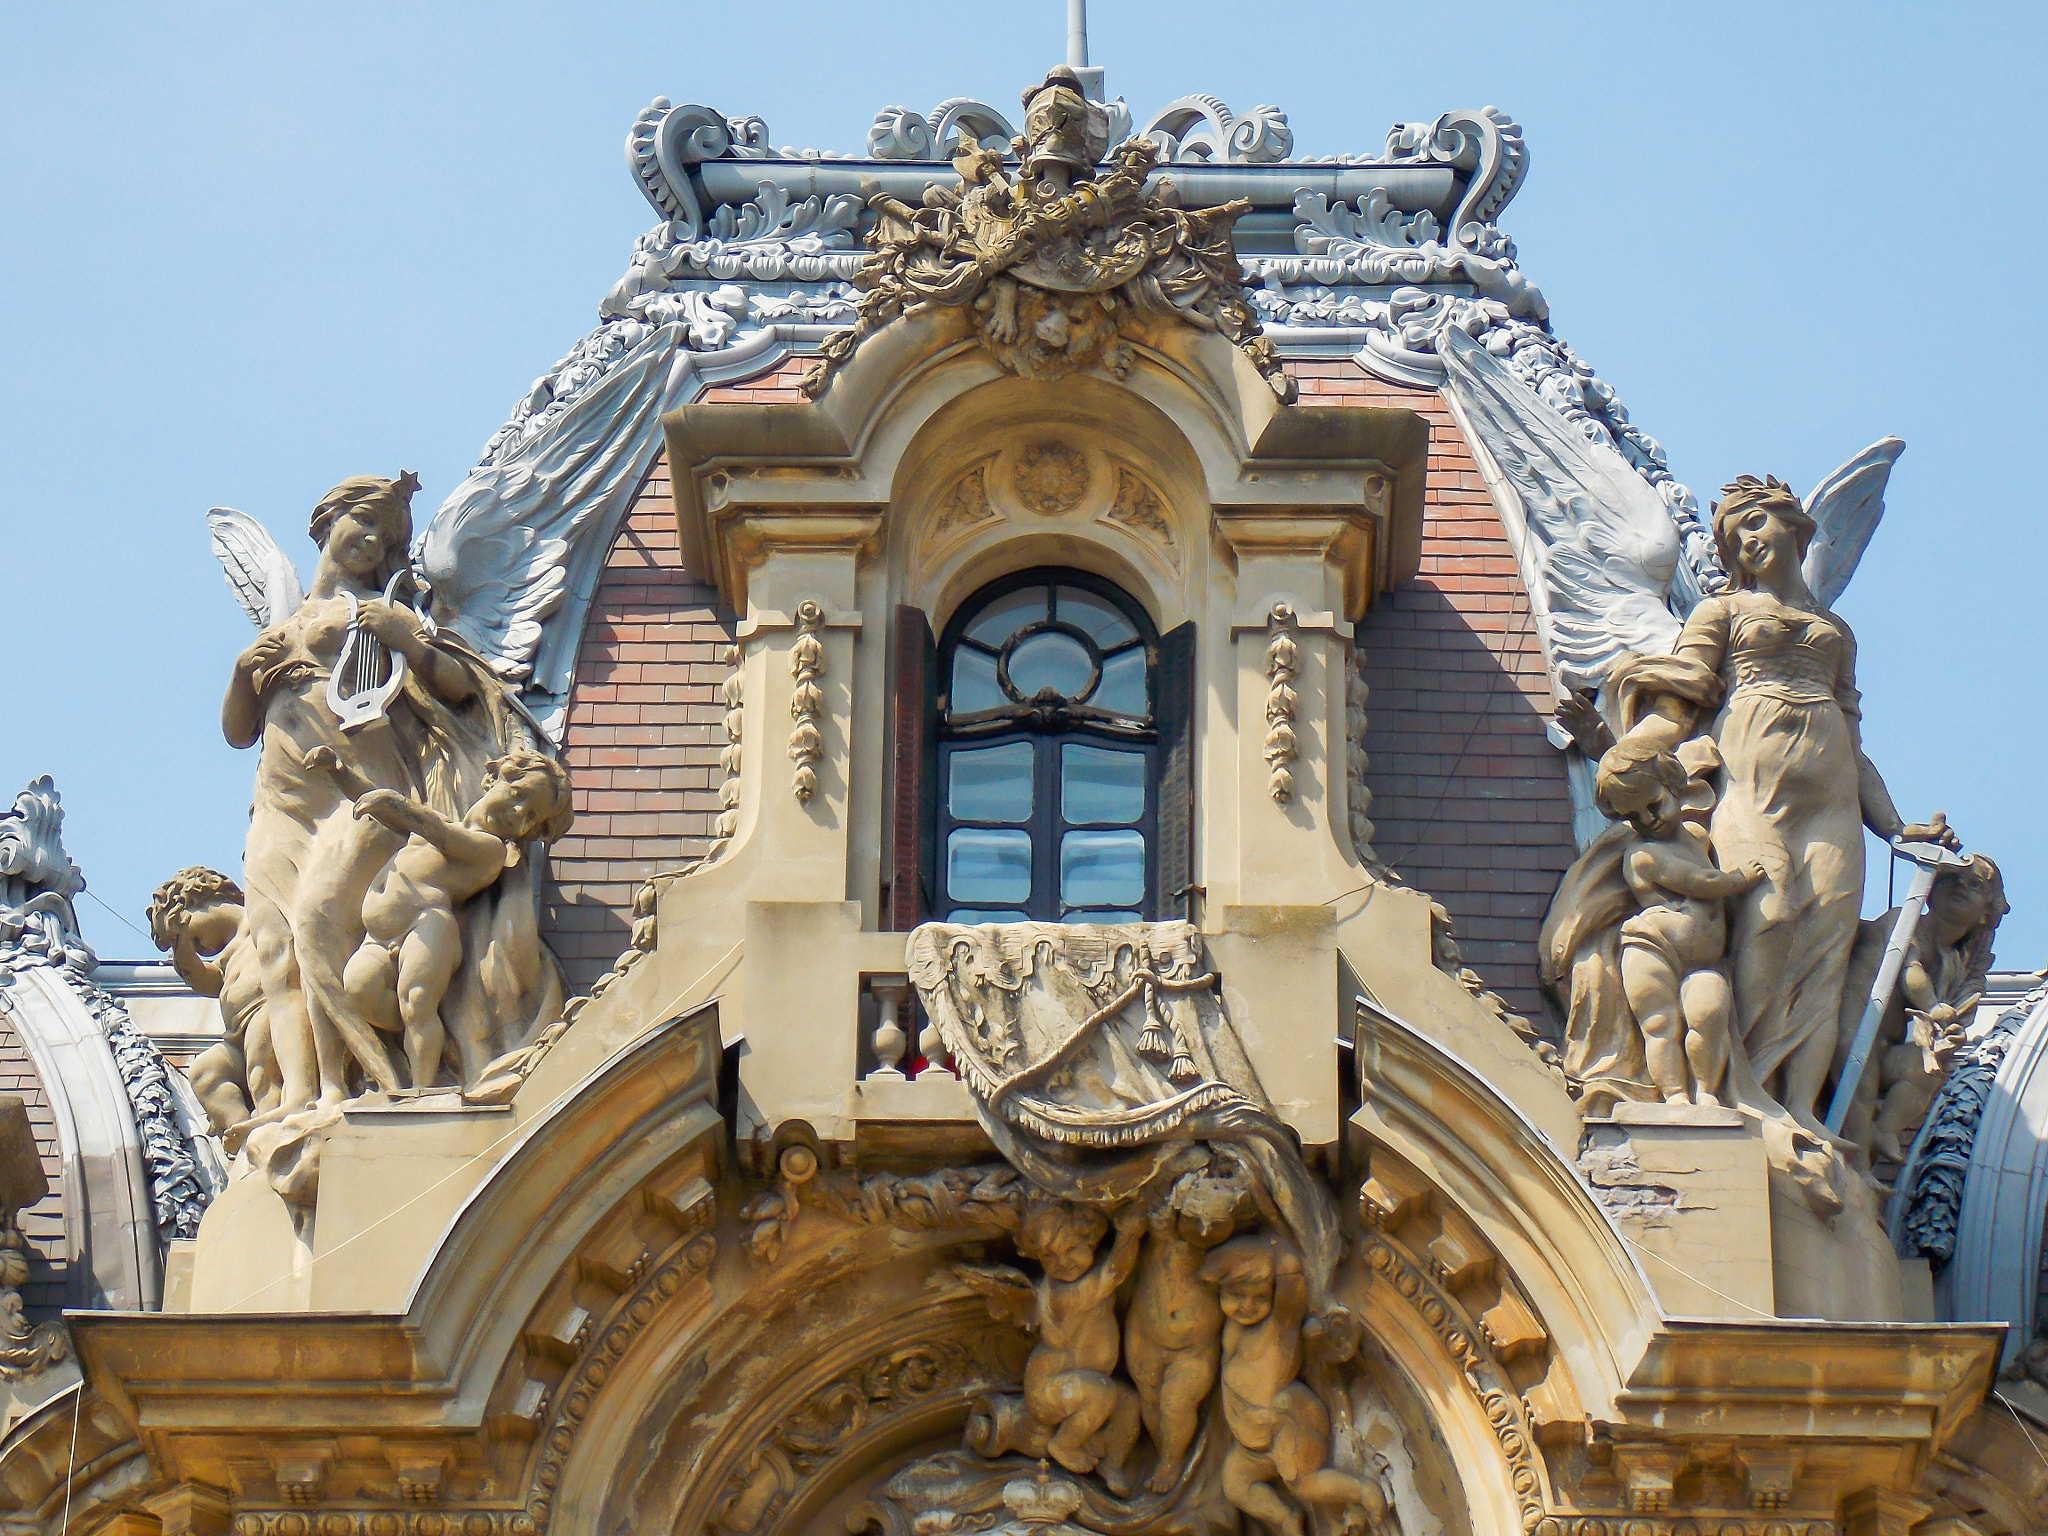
x: 1175, y: 1326
x: 411, y: 941
x: 1671, y: 948
x: 196, y: 916
x: 1090, y: 1418
x: 1280, y: 1428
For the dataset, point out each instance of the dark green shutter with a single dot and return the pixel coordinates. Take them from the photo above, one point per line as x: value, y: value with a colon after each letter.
x: 913, y: 768
x: 1174, y: 703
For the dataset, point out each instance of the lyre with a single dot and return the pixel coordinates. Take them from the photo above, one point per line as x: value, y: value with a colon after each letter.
x: 366, y: 672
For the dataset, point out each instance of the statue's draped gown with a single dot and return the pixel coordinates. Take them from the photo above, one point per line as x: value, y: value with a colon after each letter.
x: 428, y: 750
x: 1790, y: 799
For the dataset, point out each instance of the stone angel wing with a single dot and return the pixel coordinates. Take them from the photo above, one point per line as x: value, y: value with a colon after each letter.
x: 1845, y: 509
x: 535, y: 518
x: 1009, y: 1293
x: 1596, y: 545
x: 262, y: 576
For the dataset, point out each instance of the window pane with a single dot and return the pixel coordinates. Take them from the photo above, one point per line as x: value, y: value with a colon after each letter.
x: 1099, y: 785
x: 991, y: 783
x: 1103, y: 917
x: 1101, y: 869
x: 1052, y: 660
x: 1006, y: 615
x: 1123, y: 683
x: 1102, y: 620
x: 974, y: 682
x: 983, y: 865
x: 967, y: 915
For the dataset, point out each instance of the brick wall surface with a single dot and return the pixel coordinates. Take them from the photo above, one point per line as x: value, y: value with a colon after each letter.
x: 645, y: 723
x: 1469, y: 799
x: 643, y: 735
x: 48, y: 1288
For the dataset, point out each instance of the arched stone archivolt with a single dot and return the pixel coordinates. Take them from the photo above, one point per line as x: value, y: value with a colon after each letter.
x: 854, y: 1351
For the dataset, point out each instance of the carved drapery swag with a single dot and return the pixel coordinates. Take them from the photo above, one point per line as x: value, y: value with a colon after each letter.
x: 1055, y: 261
x: 1096, y: 1055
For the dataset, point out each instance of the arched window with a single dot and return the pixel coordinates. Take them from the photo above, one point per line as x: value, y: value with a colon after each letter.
x: 1048, y: 755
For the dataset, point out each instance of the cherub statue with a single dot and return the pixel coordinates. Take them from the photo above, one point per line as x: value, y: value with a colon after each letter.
x: 1672, y: 947
x: 1091, y: 1419
x: 411, y: 941
x: 196, y: 916
x: 1174, y: 1327
x: 1280, y: 1428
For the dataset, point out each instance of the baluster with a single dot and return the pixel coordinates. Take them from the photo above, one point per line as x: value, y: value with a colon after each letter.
x: 931, y: 1045
x: 889, y: 1036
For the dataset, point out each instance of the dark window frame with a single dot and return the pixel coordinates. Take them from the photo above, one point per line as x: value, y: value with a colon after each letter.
x: 1049, y: 726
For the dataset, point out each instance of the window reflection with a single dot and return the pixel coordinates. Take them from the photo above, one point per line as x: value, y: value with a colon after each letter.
x: 1098, y: 784
x: 1100, y: 869
x: 988, y: 864
x: 991, y: 783
x: 1047, y: 754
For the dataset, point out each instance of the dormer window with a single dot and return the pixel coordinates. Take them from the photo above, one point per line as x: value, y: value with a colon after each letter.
x: 1047, y: 755
x: 1041, y: 761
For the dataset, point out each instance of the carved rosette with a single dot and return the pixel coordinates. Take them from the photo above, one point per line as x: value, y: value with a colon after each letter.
x: 806, y: 702
x: 1282, y: 661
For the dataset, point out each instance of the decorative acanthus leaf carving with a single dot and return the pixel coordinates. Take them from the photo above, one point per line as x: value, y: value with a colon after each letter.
x: 1138, y: 507
x: 1487, y: 144
x: 1328, y: 229
x: 1202, y: 129
x: 1282, y: 659
x: 964, y: 504
x: 806, y: 701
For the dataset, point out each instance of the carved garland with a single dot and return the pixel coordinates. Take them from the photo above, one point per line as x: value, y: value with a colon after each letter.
x: 1282, y: 657
x: 732, y: 695
x: 806, y: 665
x: 1359, y: 794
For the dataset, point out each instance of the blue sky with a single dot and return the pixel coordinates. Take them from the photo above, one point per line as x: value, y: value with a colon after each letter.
x: 247, y: 250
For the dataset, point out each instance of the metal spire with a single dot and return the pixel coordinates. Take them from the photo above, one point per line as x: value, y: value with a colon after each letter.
x: 1077, y: 49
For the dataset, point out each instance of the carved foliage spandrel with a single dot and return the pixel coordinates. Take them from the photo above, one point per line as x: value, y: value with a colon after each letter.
x: 831, y: 1418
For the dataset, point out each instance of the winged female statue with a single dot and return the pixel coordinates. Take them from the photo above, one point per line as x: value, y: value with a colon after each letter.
x: 355, y: 699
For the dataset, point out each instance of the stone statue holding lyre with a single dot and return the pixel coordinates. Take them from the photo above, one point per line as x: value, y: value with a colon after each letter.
x: 350, y: 688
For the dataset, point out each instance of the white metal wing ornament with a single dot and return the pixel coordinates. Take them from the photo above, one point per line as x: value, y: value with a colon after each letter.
x: 262, y: 576
x: 1595, y: 542
x: 1845, y: 509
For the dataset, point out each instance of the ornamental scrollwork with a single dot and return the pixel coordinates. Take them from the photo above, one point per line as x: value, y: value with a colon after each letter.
x: 1057, y: 261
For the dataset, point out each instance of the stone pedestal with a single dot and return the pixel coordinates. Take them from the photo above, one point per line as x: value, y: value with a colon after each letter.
x: 1841, y: 1266
x: 1689, y: 1189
